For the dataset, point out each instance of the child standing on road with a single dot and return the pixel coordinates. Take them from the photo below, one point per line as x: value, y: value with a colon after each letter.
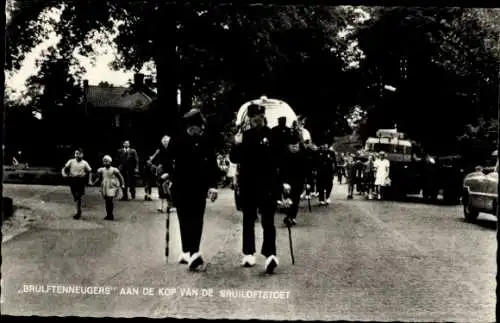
x: 78, y: 171
x: 111, y: 181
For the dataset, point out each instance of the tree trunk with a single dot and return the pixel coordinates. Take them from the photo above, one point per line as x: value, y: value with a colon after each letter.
x: 186, y: 89
x: 167, y: 72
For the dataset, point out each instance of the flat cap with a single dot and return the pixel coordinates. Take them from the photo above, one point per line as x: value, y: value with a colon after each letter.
x: 255, y: 109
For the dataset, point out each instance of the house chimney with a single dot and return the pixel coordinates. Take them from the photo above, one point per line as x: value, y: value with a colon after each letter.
x: 149, y: 82
x: 138, y: 80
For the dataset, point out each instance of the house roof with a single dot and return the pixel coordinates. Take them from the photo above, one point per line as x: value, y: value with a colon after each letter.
x: 117, y: 97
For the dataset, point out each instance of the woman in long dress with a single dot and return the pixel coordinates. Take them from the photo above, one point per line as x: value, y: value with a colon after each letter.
x: 382, y: 166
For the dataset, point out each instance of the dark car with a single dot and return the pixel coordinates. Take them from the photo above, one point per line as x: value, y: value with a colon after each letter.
x: 451, y: 172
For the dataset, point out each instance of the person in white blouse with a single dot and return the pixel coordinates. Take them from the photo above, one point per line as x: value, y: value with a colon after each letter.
x: 382, y: 166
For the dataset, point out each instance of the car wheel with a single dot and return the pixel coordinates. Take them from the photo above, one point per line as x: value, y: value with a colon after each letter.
x: 429, y: 195
x: 451, y: 197
x: 470, y: 213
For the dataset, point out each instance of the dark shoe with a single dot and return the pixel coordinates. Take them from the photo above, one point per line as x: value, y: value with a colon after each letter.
x: 77, y: 216
x: 109, y: 218
x: 349, y: 197
x: 196, y: 261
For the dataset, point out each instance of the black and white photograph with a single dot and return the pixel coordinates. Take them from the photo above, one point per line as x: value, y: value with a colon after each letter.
x: 244, y: 161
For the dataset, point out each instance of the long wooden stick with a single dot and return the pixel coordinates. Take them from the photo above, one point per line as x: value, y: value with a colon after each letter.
x: 291, y: 246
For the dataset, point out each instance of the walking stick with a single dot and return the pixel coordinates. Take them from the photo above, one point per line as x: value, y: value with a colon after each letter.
x: 167, y: 224
x: 291, y: 246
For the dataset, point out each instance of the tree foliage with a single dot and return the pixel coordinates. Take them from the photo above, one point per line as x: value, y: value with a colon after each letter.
x: 246, y: 50
x: 443, y: 65
x: 443, y: 62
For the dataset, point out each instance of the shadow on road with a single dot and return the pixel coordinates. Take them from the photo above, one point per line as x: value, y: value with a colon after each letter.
x: 420, y: 200
x: 483, y: 223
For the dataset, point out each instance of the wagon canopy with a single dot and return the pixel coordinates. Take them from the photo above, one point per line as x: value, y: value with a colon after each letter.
x: 274, y: 109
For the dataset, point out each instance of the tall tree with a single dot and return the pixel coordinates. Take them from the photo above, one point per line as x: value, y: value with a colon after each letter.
x: 442, y: 69
x: 245, y: 46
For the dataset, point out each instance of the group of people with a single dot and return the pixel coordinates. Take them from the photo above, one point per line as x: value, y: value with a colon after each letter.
x: 369, y: 177
x: 272, y: 164
x: 184, y: 167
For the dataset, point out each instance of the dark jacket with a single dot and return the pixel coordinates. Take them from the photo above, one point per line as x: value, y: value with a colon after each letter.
x: 359, y: 167
x: 257, y: 157
x: 293, y: 167
x: 161, y: 156
x: 127, y: 160
x: 192, y: 164
x: 281, y: 137
x: 326, y: 161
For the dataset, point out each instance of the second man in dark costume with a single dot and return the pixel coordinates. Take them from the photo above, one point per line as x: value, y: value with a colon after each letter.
x: 293, y: 171
x: 259, y: 184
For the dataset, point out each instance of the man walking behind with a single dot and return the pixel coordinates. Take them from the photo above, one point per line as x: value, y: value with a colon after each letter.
x: 326, y: 165
x: 260, y: 189
x: 293, y: 172
x: 128, y: 164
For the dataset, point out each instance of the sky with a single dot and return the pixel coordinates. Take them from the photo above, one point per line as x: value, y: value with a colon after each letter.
x: 98, y: 70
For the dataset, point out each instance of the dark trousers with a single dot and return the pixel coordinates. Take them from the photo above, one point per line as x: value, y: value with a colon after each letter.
x: 77, y: 186
x: 108, y: 202
x: 190, y: 211
x: 325, y: 185
x: 295, y: 193
x: 129, y: 177
x: 267, y: 209
x: 310, y: 180
x: 340, y: 173
x: 149, y: 183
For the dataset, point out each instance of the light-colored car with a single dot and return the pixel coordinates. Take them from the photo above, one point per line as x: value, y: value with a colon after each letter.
x: 480, y: 193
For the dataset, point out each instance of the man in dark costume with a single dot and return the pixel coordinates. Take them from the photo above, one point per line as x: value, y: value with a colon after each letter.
x: 326, y: 164
x: 259, y: 184
x: 194, y: 173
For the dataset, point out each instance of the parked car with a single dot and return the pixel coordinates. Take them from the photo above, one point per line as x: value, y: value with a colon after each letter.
x: 449, y: 177
x: 480, y: 192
